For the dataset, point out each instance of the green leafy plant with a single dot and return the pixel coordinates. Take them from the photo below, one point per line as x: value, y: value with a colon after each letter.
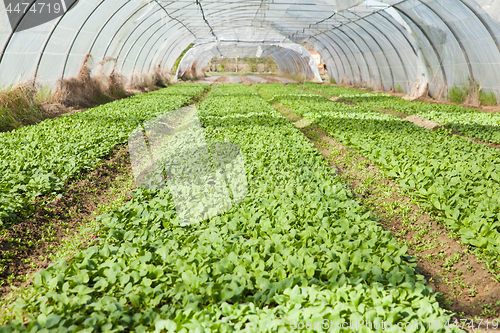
x: 488, y: 98
x: 178, y: 60
x: 448, y: 175
x: 39, y: 160
x: 253, y: 63
x: 473, y: 123
x: 298, y: 247
x: 399, y: 89
x: 457, y: 94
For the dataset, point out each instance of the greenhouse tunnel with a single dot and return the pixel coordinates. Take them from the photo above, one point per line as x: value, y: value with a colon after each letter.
x: 382, y: 44
x: 289, y: 57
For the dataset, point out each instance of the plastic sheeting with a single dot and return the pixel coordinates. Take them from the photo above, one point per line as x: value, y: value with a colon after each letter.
x: 387, y: 44
x: 289, y: 57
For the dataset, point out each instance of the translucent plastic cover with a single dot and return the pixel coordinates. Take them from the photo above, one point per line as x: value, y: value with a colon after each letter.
x: 289, y: 57
x: 387, y: 44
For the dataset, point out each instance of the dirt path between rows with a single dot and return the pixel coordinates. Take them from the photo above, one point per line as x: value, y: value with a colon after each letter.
x: 30, y: 242
x: 27, y: 247
x: 448, y: 266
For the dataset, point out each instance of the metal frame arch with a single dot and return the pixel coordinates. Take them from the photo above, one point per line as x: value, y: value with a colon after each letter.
x: 135, y: 41
x: 322, y: 49
x: 383, y: 52
x: 391, y: 21
x: 486, y: 26
x: 175, y: 43
x: 149, y: 52
x: 327, y: 47
x: 14, y: 30
x: 378, y: 44
x: 109, y: 19
x: 380, y: 47
x: 346, y: 55
x: 170, y: 47
x: 287, y: 66
x: 167, y: 55
x: 294, y: 62
x: 46, y: 42
x: 102, y: 28
x: 362, y: 54
x: 174, y: 18
x: 443, y: 71
x: 395, y: 49
x: 124, y: 42
x: 332, y: 65
x: 326, y: 37
x: 401, y: 58
x: 373, y: 54
x: 459, y: 41
x: 142, y: 47
x: 277, y: 62
x: 130, y: 17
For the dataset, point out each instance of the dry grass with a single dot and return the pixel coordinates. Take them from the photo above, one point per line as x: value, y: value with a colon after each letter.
x: 86, y: 91
x: 192, y: 73
x: 27, y: 103
x: 20, y: 106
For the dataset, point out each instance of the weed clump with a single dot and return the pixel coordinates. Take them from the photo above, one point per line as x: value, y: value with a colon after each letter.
x: 472, y: 94
x: 28, y: 104
x: 487, y: 98
x: 458, y: 94
x: 19, y: 106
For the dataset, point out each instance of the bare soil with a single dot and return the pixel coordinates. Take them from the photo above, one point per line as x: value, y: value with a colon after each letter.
x: 60, y: 219
x: 246, y: 80
x: 422, y: 122
x: 449, y: 267
x: 223, y: 79
x: 268, y: 78
x: 340, y: 100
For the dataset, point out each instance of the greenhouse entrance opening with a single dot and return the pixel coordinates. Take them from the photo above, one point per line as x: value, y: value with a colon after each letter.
x: 289, y: 58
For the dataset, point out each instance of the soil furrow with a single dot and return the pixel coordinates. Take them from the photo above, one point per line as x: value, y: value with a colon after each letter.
x: 449, y: 267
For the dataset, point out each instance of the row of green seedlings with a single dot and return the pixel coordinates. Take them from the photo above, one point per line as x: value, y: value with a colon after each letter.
x: 39, y: 160
x: 447, y: 175
x: 470, y: 122
x: 298, y: 251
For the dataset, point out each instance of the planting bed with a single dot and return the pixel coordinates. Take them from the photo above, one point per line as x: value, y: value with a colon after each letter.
x: 299, y: 247
x: 38, y: 160
x: 470, y: 122
x: 449, y: 176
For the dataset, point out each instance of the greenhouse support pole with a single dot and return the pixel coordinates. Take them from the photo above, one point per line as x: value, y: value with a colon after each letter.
x: 381, y: 13
x: 108, y: 20
x: 14, y: 30
x: 362, y: 54
x: 331, y: 56
x: 124, y: 43
x: 149, y: 52
x: 495, y: 40
x: 144, y: 45
x: 348, y: 61
x: 352, y: 70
